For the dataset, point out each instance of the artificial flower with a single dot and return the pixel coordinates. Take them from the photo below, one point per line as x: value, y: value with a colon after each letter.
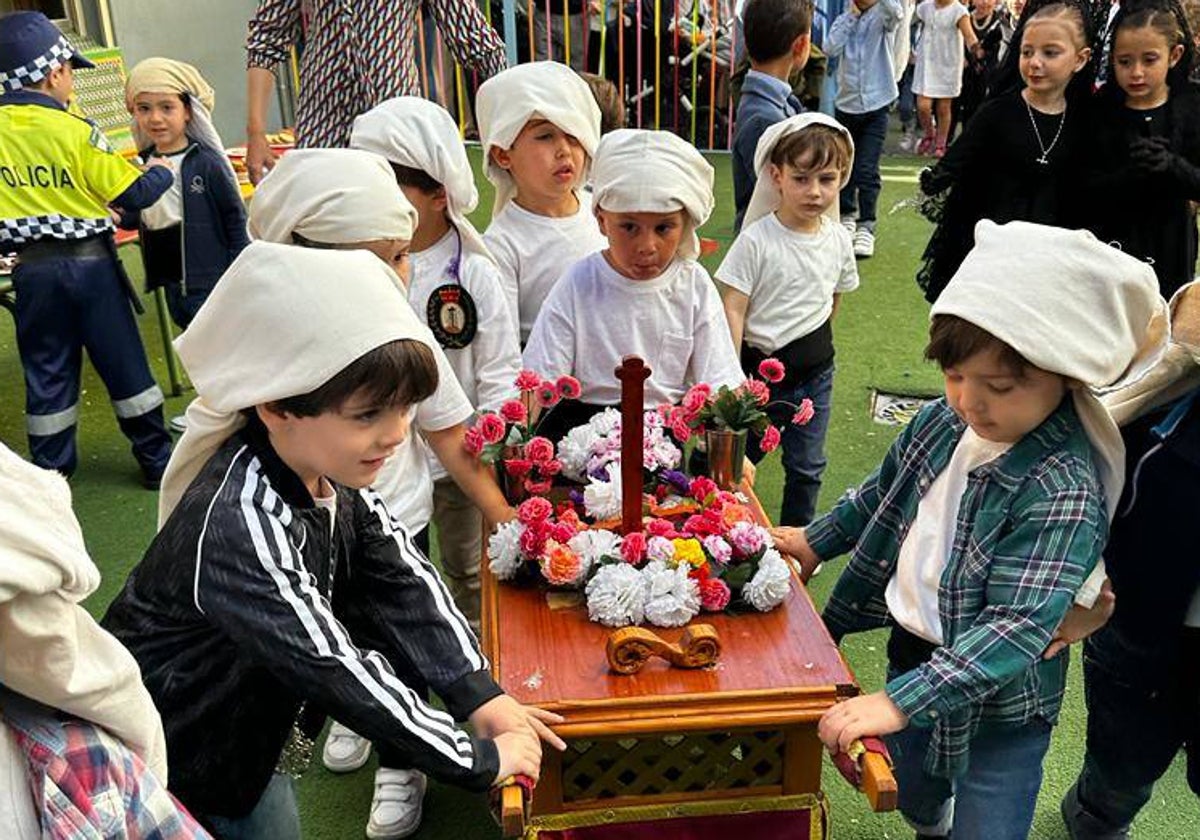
x: 747, y: 539
x: 702, y: 525
x: 804, y: 412
x: 660, y: 528
x: 527, y: 381
x: 714, y: 594
x: 688, y: 551
x: 734, y: 512
x: 539, y: 449
x: 771, y: 370
x: 533, y: 539
x: 718, y: 549
x: 492, y: 427
x: 537, y: 488
x: 547, y: 396
x: 660, y: 549
x: 696, y: 398
x: 701, y: 488
x: 770, y: 584
x: 633, y: 547
x: 594, y: 546
x: 568, y: 387
x: 504, y: 550
x: 770, y: 439
x: 574, y: 450
x: 535, y: 509
x: 518, y: 467
x: 757, y: 389
x: 473, y: 441
x: 616, y: 595
x: 560, y: 565
x: 602, y: 499
x: 514, y: 411
x: 672, y: 597
x: 562, y: 532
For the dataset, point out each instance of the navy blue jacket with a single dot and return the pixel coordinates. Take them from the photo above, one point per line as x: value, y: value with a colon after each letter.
x: 214, y: 219
x: 761, y: 106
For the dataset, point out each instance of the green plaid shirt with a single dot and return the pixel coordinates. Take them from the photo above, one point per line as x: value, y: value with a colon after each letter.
x: 1030, y: 527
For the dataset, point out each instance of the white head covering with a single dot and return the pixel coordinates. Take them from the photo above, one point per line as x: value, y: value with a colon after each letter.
x: 50, y: 647
x: 1177, y: 372
x: 331, y: 196
x: 1070, y: 305
x: 165, y: 75
x: 414, y: 132
x: 766, y: 197
x: 282, y: 322
x: 639, y: 171
x: 540, y: 90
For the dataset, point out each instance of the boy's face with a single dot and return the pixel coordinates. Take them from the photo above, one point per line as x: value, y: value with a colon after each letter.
x: 163, y: 118
x: 431, y: 207
x: 394, y: 252
x: 998, y: 403
x: 641, y: 245
x: 545, y: 162
x: 805, y: 193
x: 347, y: 445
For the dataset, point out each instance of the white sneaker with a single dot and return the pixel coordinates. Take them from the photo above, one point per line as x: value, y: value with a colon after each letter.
x: 396, y: 808
x: 864, y: 243
x: 344, y: 750
x: 907, y: 141
x: 179, y: 423
x: 850, y: 224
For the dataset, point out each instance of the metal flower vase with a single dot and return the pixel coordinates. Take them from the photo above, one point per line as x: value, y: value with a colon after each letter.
x: 726, y: 456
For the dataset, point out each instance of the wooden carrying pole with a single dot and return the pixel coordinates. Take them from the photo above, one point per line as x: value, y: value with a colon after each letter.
x: 633, y: 374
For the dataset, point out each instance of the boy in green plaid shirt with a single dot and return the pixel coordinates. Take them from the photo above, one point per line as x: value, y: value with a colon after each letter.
x: 985, y: 522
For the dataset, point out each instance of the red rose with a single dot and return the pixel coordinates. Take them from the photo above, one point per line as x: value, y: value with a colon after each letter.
x: 633, y: 547
x: 492, y: 428
x: 527, y: 381
x: 539, y: 450
x: 534, y: 510
x: 714, y: 595
x: 518, y: 467
x: 770, y: 439
x: 473, y: 441
x: 568, y: 387
x: 804, y: 412
x: 514, y: 411
x: 771, y: 370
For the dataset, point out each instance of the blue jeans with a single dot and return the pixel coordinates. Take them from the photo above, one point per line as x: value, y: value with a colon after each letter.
x: 1142, y: 708
x: 275, y: 816
x: 861, y: 193
x: 803, y: 446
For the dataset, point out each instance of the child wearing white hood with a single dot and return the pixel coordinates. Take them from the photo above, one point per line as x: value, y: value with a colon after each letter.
x: 539, y: 125
x: 644, y: 294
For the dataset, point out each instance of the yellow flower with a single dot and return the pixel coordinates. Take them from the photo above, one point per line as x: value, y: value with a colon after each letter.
x: 689, y: 551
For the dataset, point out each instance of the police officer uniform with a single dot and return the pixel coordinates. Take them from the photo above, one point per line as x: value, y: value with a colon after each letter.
x: 58, y: 175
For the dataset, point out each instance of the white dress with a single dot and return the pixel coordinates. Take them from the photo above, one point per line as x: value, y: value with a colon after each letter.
x: 939, y: 64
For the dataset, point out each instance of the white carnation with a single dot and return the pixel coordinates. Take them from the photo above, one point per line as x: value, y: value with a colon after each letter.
x: 605, y: 422
x: 770, y: 584
x: 574, y: 451
x: 602, y: 499
x: 504, y: 550
x: 592, y: 546
x: 672, y: 598
x: 616, y: 595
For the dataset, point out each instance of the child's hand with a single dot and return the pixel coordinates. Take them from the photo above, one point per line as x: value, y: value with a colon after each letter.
x: 749, y: 471
x: 869, y: 714
x: 502, y: 715
x: 1082, y: 622
x: 794, y: 541
x: 519, y: 753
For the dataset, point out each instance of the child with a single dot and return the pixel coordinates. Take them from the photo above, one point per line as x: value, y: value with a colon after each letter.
x: 987, y: 23
x: 781, y: 283
x: 937, y: 79
x: 778, y: 39
x: 60, y: 174
x: 1019, y: 157
x: 279, y: 580
x: 644, y: 294
x: 190, y: 235
x: 1140, y: 671
x: 608, y: 100
x: 1145, y: 149
x: 862, y: 37
x: 539, y: 126
x: 984, y: 520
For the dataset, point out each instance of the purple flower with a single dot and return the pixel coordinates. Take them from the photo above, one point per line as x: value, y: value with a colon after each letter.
x: 678, y: 481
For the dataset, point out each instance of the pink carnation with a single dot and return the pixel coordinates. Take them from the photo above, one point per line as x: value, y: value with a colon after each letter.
x: 718, y: 550
x: 561, y: 532
x: 770, y: 439
x: 568, y: 387
x: 533, y: 539
x: 702, y: 487
x: 514, y: 411
x: 696, y: 397
x: 746, y: 538
x: 533, y: 510
x: 549, y: 468
x: 473, y: 440
x: 539, y: 450
x: 771, y: 370
x: 492, y: 428
x: 714, y: 594
x: 804, y: 413
x: 757, y: 389
x: 527, y: 381
x: 660, y: 528
x: 518, y: 467
x: 537, y: 488
x: 633, y: 547
x: 699, y: 526
x: 546, y: 395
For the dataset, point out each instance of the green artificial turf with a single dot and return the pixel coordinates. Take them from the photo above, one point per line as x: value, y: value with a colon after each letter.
x: 879, y: 331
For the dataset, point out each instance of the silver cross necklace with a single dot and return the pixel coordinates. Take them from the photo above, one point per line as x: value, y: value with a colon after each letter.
x: 1044, y: 158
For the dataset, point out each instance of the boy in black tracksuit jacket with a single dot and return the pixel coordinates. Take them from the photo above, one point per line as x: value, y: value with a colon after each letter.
x: 1142, y: 670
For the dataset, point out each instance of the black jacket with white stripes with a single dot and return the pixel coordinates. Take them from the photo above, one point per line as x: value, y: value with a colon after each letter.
x: 245, y: 607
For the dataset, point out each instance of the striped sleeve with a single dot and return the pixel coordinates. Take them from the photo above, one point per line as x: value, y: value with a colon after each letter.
x: 465, y: 30
x: 254, y: 585
x: 272, y: 31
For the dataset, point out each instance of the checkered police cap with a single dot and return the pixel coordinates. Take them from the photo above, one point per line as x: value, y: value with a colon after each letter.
x: 30, y: 48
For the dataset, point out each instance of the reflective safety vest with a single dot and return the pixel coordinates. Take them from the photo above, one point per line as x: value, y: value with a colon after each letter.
x: 58, y: 172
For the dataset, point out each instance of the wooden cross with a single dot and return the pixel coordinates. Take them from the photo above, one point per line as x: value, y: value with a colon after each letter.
x: 633, y: 374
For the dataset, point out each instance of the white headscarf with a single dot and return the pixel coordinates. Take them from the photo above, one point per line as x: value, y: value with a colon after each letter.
x: 331, y: 196
x: 639, y: 171
x: 282, y: 322
x: 540, y: 90
x: 165, y: 75
x: 51, y: 649
x: 414, y: 132
x: 766, y: 197
x: 1177, y: 372
x: 1071, y: 305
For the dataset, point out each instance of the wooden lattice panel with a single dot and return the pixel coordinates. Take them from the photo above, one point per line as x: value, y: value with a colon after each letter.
x: 673, y: 764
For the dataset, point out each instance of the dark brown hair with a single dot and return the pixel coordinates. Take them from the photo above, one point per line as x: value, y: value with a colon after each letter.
x: 953, y: 340
x: 1167, y: 19
x: 399, y: 373
x: 815, y: 147
x: 608, y: 99
x: 407, y: 176
x: 770, y: 27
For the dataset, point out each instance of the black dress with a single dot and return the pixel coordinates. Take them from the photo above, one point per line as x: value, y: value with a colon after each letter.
x: 995, y: 171
x: 1147, y: 214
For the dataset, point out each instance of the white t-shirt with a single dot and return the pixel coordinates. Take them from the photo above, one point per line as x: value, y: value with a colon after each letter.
x: 533, y: 251
x: 168, y: 210
x: 405, y: 482
x: 790, y: 278
x: 939, y: 64
x: 594, y: 316
x: 912, y: 593
x: 18, y: 814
